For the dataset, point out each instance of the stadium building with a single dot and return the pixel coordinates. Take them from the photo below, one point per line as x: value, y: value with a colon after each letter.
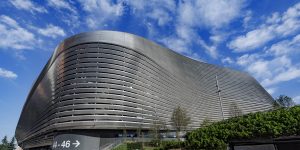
x: 100, y: 83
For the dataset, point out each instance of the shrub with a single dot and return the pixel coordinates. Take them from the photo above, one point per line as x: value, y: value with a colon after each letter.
x: 134, y: 146
x: 281, y: 122
x: 154, y: 142
x: 166, y: 145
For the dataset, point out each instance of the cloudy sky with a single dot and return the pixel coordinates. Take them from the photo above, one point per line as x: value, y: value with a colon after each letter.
x: 260, y: 37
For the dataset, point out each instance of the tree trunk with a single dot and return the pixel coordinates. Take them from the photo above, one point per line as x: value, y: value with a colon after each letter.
x: 143, y: 145
x: 177, y: 135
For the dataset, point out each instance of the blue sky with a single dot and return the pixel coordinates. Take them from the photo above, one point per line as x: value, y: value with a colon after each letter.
x: 260, y: 37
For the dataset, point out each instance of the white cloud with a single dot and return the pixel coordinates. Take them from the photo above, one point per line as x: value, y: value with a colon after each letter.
x: 142, y: 5
x: 182, y: 41
x: 9, y: 21
x: 247, y: 18
x: 161, y: 16
x: 211, y: 50
x: 274, y: 18
x: 286, y: 47
x: 17, y: 39
x: 210, y: 13
x: 62, y: 4
x: 227, y: 60
x: 187, y: 17
x: 271, y: 90
x: 14, y: 36
x: 260, y: 68
x: 160, y: 11
x: 164, y: 13
x: 28, y: 5
x: 252, y: 39
x: 101, y: 12
x: 246, y: 59
x: 286, y: 75
x: 195, y: 56
x: 176, y: 44
x: 297, y: 99
x: 217, y: 38
x: 7, y: 74
x: 68, y: 12
x: 275, y: 26
x: 276, y: 63
x: 194, y: 15
x: 269, y: 71
x: 51, y: 31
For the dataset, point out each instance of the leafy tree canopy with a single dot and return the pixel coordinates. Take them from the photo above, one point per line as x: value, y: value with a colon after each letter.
x: 179, y: 120
x: 5, y: 145
x: 285, y: 101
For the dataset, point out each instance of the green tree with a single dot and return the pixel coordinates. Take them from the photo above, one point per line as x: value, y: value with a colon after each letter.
x: 285, y: 101
x: 5, y: 145
x: 276, y: 105
x: 138, y: 132
x: 12, y: 143
x: 156, y: 128
x: 206, y: 122
x: 125, y: 134
x: 235, y: 111
x: 4, y: 141
x: 179, y: 120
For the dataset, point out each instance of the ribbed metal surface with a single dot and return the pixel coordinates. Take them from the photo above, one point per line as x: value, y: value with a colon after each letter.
x: 114, y: 80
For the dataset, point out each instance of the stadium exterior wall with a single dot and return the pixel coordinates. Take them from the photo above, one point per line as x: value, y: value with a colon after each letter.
x: 108, y: 80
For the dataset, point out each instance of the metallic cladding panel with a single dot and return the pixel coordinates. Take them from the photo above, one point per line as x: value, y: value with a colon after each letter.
x: 115, y: 80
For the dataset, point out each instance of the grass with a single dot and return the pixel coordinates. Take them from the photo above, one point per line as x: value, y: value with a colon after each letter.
x: 121, y: 147
x: 149, y: 148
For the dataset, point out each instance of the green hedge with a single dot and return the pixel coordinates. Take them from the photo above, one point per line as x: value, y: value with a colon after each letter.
x: 281, y: 122
x: 174, y: 144
x: 134, y: 146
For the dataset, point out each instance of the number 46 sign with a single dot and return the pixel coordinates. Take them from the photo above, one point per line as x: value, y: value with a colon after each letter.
x: 65, y: 144
x: 75, y: 142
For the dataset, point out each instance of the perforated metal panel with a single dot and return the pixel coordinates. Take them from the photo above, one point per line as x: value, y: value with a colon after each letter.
x: 112, y: 80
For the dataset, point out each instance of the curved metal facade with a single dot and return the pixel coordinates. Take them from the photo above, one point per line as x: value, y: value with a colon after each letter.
x: 113, y: 80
